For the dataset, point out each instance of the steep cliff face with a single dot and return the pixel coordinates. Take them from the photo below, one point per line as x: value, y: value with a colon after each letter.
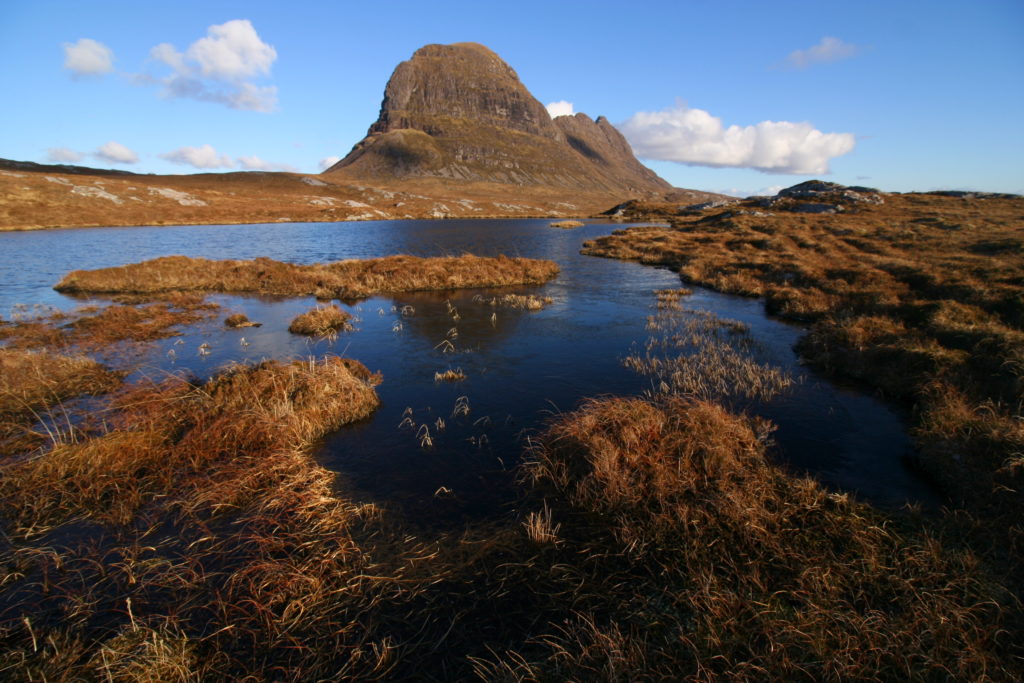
x: 604, y: 146
x: 458, y: 112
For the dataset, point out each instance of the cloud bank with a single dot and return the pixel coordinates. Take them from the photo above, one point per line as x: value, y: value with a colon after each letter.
x: 828, y: 50
x: 63, y: 155
x: 204, y: 156
x: 116, y: 153
x: 560, y: 108
x: 88, y: 57
x: 695, y: 137
x: 219, y: 68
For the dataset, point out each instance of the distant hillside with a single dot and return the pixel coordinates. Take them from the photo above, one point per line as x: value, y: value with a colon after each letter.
x: 459, y: 113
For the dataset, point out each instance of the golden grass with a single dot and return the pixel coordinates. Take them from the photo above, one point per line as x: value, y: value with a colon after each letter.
x: 918, y: 292
x: 736, y: 570
x: 322, y: 320
x: 696, y: 354
x: 540, y: 527
x: 351, y: 279
x: 450, y: 375
x: 567, y: 225
x: 523, y: 302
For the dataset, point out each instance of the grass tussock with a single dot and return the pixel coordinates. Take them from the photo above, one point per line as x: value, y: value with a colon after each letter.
x: 739, y: 571
x: 352, y: 279
x: 567, y: 225
x: 905, y: 293
x: 321, y: 321
x: 236, y: 320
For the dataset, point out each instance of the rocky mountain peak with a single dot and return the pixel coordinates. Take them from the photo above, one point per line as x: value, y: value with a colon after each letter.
x: 459, y: 112
x: 445, y: 86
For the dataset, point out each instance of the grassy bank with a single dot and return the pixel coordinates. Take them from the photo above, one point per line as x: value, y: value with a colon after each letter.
x: 194, y: 538
x: 351, y: 279
x: 919, y: 296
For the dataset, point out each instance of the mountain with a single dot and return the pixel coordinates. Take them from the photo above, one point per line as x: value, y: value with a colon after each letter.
x: 459, y: 113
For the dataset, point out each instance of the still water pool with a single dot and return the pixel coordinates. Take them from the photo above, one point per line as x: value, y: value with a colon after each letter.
x: 521, y: 367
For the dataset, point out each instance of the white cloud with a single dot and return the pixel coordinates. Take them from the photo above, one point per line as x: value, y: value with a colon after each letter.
x: 695, y: 137
x: 232, y: 51
x: 828, y: 50
x: 560, y: 108
x: 88, y: 57
x: 63, y: 155
x: 199, y: 157
x: 218, y: 68
x: 116, y: 153
x: 254, y: 163
x: 327, y: 162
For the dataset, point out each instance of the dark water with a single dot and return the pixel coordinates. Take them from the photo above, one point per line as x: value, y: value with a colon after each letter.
x: 521, y: 367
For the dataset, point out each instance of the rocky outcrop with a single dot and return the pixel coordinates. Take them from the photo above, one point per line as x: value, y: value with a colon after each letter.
x: 458, y: 112
x: 824, y: 197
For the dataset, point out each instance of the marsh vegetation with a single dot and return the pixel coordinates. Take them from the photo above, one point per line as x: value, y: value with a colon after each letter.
x: 184, y: 528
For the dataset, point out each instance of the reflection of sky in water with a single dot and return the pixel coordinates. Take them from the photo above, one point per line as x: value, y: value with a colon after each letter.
x: 520, y: 369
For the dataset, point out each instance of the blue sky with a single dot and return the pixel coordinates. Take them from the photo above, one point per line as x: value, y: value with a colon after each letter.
x: 740, y: 96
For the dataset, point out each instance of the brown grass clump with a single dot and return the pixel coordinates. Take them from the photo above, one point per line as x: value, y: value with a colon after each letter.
x: 201, y: 540
x: 351, y: 279
x: 34, y: 382
x: 322, y: 320
x: 906, y: 293
x: 669, y: 298
x: 450, y: 375
x: 567, y: 225
x: 522, y: 302
x: 239, y: 320
x: 737, y: 570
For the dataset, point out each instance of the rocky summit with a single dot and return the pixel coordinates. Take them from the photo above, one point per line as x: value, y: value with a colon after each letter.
x: 458, y: 112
